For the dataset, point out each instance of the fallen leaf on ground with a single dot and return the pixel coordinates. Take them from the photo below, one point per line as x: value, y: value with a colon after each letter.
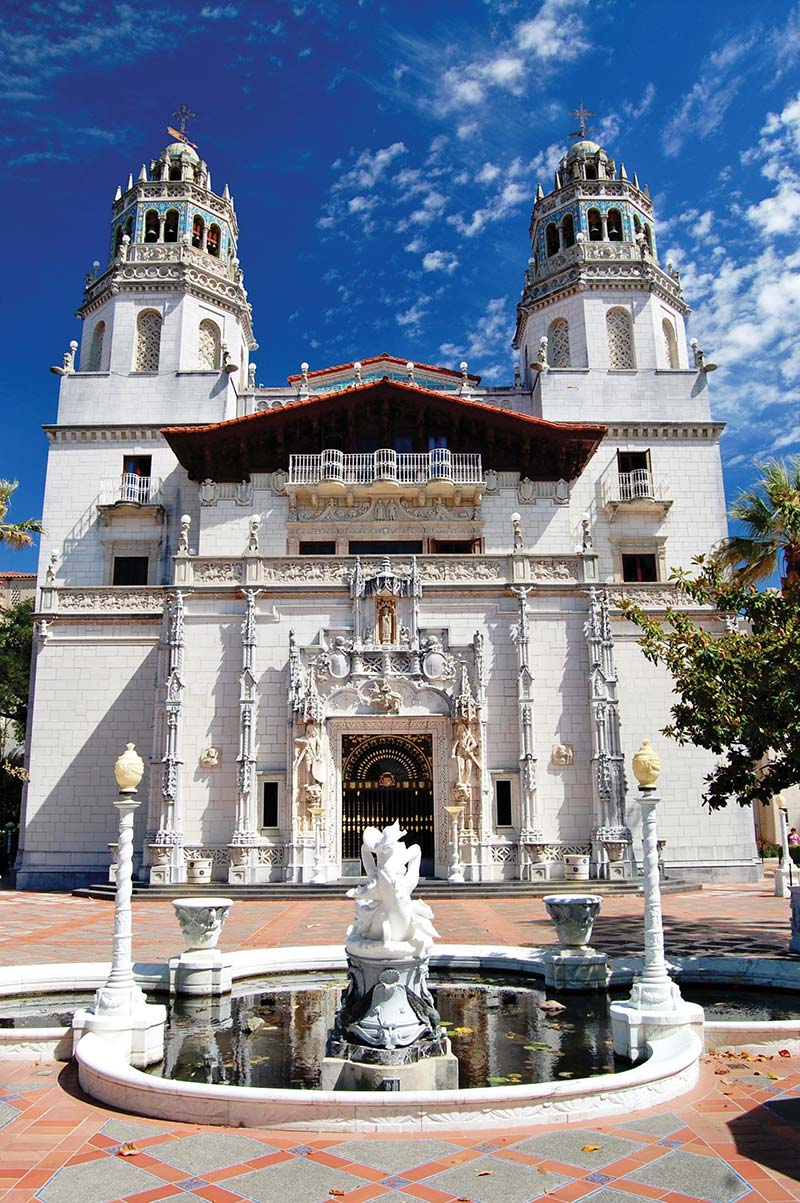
x: 590, y: 1148
x: 336, y: 1192
x: 784, y: 1052
x: 484, y: 1173
x: 775, y: 1077
x: 723, y: 1069
x: 566, y: 1073
x: 552, y: 1006
x: 128, y: 1149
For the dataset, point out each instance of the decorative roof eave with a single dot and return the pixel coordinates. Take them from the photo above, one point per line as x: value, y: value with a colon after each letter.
x: 296, y: 377
x: 262, y: 442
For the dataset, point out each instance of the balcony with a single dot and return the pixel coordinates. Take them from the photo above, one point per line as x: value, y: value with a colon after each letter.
x: 434, y: 473
x: 130, y: 490
x: 634, y: 492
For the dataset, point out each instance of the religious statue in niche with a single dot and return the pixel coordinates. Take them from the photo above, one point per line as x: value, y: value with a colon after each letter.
x: 383, y: 695
x: 386, y: 624
x: 466, y: 753
x: 309, y: 767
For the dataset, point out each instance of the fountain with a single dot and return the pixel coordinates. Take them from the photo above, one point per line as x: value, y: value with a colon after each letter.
x: 388, y: 1035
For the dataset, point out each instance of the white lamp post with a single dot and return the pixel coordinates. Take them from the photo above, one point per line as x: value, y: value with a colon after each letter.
x: 120, y: 1012
x: 655, y: 1007
x: 455, y: 873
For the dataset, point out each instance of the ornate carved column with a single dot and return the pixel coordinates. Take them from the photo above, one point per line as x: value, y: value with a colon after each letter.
x: 242, y: 848
x: 530, y: 820
x: 309, y: 844
x: 608, y: 771
x: 166, y: 851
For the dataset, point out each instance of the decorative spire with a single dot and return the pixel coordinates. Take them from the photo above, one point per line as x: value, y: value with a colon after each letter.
x: 581, y: 114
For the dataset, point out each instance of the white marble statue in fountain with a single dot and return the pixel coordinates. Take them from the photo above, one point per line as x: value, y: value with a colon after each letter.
x: 388, y: 922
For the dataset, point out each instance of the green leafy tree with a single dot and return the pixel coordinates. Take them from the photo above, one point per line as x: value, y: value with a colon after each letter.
x: 15, y: 534
x: 737, y: 688
x: 770, y: 516
x: 16, y: 638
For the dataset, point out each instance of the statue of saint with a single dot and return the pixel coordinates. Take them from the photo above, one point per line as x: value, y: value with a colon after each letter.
x: 465, y: 753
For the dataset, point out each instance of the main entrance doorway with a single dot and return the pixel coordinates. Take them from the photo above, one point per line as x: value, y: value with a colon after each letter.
x: 387, y: 777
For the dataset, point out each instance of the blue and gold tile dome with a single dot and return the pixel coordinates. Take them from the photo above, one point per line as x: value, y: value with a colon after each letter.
x: 584, y: 147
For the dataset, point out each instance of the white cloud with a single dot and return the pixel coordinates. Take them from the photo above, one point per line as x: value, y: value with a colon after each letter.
x: 440, y: 261
x: 410, y: 321
x: 721, y: 76
x: 219, y: 12
x: 415, y: 246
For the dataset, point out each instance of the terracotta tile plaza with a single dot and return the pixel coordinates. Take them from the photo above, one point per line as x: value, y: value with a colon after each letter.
x: 735, y: 1137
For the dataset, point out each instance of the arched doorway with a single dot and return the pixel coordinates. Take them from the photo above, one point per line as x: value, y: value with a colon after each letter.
x: 387, y: 777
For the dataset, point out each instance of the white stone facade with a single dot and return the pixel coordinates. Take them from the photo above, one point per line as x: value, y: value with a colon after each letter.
x: 257, y: 641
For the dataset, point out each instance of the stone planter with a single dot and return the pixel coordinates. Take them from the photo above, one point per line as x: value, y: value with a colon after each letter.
x: 576, y: 868
x: 537, y: 853
x: 615, y: 850
x: 198, y: 870
x: 201, y: 920
x: 573, y: 917
x: 159, y: 854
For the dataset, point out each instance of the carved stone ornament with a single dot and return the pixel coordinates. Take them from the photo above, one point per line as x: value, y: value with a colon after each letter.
x: 201, y: 920
x: 139, y: 601
x: 563, y: 755
x: 209, y: 757
x: 388, y: 923
x: 212, y: 572
x: 573, y: 918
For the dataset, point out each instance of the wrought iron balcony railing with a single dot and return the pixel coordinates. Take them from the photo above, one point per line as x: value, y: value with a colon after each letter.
x: 132, y: 488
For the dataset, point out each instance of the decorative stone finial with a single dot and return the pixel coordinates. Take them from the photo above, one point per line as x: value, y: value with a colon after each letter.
x: 646, y: 766
x: 516, y: 524
x: 129, y: 769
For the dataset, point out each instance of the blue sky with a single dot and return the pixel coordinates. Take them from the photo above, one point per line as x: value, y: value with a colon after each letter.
x: 383, y: 160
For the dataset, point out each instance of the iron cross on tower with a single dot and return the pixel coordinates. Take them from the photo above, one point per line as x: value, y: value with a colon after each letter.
x: 582, y: 114
x: 184, y: 113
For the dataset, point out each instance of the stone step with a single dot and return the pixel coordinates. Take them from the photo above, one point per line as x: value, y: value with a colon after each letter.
x: 282, y: 892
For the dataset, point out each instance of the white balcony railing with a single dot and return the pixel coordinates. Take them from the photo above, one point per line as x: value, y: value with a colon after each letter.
x: 130, y: 487
x: 385, y: 465
x: 630, y: 488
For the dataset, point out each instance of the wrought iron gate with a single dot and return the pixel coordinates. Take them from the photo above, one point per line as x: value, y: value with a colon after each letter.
x: 387, y: 778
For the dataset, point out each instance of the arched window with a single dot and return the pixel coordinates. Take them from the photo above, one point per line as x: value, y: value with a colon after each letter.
x: 175, y: 172
x: 620, y: 339
x: 95, y: 356
x: 208, y: 345
x: 591, y: 171
x: 670, y: 343
x: 568, y: 230
x: 213, y: 240
x: 148, y: 341
x: 637, y: 225
x: 151, y: 225
x: 648, y: 235
x: 198, y: 225
x: 171, y: 226
x: 120, y: 230
x: 558, y: 344
x: 595, y: 225
x: 551, y: 239
x: 614, y: 225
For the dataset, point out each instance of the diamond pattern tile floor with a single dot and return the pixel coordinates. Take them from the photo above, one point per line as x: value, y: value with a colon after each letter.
x: 584, y: 1147
x: 292, y: 1182
x: 211, y: 1151
x: 491, y: 1180
x: 100, y: 1181
x: 698, y: 1177
x: 394, y: 1155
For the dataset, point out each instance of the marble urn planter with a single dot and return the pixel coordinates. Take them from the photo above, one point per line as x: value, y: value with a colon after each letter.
x: 199, y: 869
x: 575, y: 966
x: 201, y: 920
x: 573, y: 917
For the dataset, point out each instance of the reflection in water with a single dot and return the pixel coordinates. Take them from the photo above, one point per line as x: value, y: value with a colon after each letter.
x: 275, y: 1035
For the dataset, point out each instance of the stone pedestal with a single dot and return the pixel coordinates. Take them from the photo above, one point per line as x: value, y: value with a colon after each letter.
x: 429, y: 1066
x: 539, y: 871
x: 200, y: 972
x: 136, y: 1035
x: 632, y: 1026
x: 242, y: 864
x: 794, y: 942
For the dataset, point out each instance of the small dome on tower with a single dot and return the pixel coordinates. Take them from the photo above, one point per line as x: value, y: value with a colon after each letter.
x: 584, y: 147
x: 182, y: 148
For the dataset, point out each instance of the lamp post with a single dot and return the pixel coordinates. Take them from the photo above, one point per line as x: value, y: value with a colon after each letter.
x: 655, y: 1007
x: 121, y: 1013
x: 120, y: 993
x: 455, y: 873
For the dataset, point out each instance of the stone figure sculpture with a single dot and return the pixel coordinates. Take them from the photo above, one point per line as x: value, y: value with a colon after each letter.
x: 388, y: 923
x: 466, y: 753
x: 563, y: 755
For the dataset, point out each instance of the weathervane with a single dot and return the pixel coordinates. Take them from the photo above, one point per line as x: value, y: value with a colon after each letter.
x: 183, y: 114
x: 581, y: 113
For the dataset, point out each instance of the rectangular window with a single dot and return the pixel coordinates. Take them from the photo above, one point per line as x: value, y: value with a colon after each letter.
x: 436, y: 440
x: 321, y: 547
x: 269, y: 816
x: 137, y: 465
x: 385, y: 547
x: 454, y: 547
x: 639, y: 568
x: 502, y: 804
x: 130, y: 570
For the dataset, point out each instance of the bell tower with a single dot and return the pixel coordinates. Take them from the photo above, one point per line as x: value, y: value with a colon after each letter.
x: 170, y: 302
x: 596, y: 300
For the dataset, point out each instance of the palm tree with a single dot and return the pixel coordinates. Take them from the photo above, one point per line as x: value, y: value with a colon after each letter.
x: 770, y: 515
x: 15, y: 534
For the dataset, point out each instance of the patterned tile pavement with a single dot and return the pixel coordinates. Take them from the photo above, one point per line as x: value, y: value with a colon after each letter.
x: 734, y: 1139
